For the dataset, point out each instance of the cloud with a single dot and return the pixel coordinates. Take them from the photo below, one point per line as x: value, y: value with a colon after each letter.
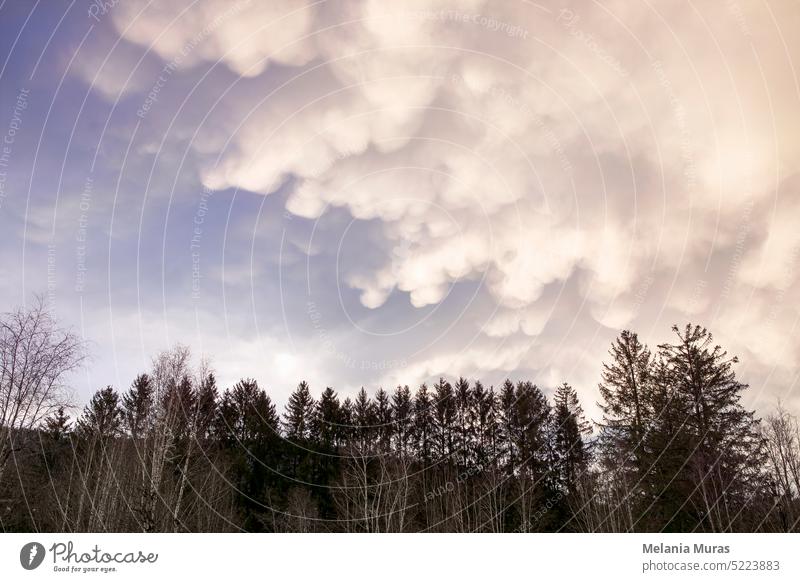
x: 630, y: 162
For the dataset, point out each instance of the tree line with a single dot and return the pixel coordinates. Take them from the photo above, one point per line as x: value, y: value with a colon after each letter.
x: 674, y: 450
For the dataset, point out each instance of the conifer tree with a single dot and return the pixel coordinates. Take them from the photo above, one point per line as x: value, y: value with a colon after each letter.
x: 483, y: 420
x: 57, y: 425
x: 625, y: 391
x: 137, y: 406
x: 206, y: 408
x: 728, y: 451
x: 402, y: 413
x: 507, y: 427
x: 423, y: 424
x: 298, y: 420
x: 531, y: 424
x: 327, y: 420
x: 570, y: 428
x: 247, y: 416
x: 465, y: 435
x: 444, y: 416
x: 364, y: 420
x: 102, y: 417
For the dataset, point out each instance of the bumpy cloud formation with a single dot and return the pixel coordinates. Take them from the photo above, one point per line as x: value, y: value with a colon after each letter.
x: 633, y: 160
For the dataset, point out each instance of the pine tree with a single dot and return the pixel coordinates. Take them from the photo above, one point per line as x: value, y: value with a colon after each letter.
x: 658, y: 496
x: 327, y: 428
x: 364, y: 420
x: 57, y: 425
x: 247, y: 416
x: 570, y: 428
x: 728, y: 451
x: 206, y: 408
x: 179, y: 401
x: 423, y: 425
x: 531, y: 423
x: 626, y: 439
x: 298, y: 419
x: 402, y: 413
x: 625, y: 392
x: 383, y: 420
x: 247, y: 426
x: 507, y: 428
x: 483, y: 419
x: 444, y: 416
x: 465, y: 434
x: 137, y: 406
x: 102, y: 417
x: 347, y: 432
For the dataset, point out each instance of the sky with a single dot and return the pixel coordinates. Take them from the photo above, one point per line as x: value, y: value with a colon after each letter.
x: 373, y: 193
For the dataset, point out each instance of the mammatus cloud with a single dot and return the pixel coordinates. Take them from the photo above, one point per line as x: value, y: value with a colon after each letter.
x: 592, y: 167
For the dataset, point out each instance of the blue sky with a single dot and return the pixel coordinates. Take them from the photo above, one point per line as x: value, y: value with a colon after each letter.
x: 368, y: 194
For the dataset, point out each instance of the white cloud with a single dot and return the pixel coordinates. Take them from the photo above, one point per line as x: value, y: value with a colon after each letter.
x: 606, y: 149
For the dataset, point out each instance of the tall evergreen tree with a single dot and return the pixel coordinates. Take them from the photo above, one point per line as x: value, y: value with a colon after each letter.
x: 423, y: 425
x: 507, y: 428
x: 102, y: 417
x: 298, y: 420
x: 728, y: 451
x: 137, y: 406
x: 57, y: 425
x: 247, y: 426
x: 402, y: 413
x: 483, y: 419
x: 570, y: 428
x: 364, y: 420
x: 465, y: 433
x: 247, y: 416
x: 624, y: 391
x: 206, y: 408
x: 444, y: 416
x: 327, y: 428
x: 383, y: 420
x: 531, y: 424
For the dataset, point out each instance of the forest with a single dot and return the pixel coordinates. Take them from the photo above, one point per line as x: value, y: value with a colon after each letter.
x: 673, y: 449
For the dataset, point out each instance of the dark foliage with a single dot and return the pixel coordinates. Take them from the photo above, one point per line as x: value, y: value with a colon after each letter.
x: 674, y: 451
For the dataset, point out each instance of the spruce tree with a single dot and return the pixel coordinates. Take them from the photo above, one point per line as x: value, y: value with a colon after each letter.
x: 423, y: 425
x: 383, y: 420
x: 570, y: 429
x: 483, y: 420
x: 327, y: 420
x: 102, y: 417
x: 727, y: 453
x: 298, y: 419
x: 364, y: 420
x: 624, y: 390
x: 444, y: 416
x: 402, y: 413
x: 507, y: 428
x: 57, y: 425
x: 137, y: 406
x: 465, y: 434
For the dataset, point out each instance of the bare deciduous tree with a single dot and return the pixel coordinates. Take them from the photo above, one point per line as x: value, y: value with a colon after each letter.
x: 36, y: 354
